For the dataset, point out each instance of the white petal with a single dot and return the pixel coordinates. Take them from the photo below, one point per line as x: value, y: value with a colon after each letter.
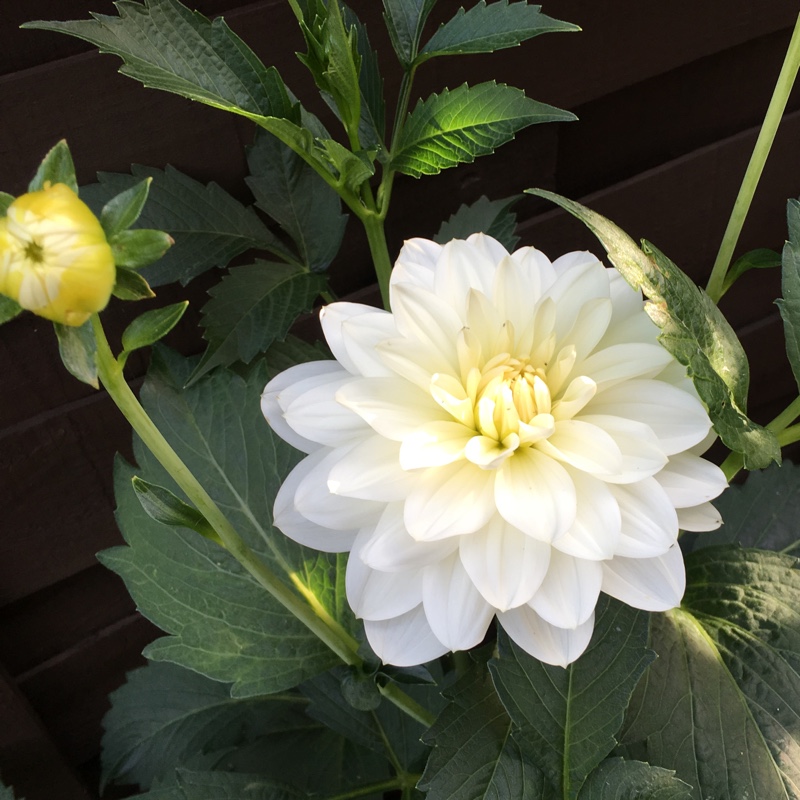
x: 434, y: 445
x: 456, y: 611
x: 415, y: 361
x: 404, y: 641
x: 580, y: 278
x: 589, y: 326
x: 569, y: 591
x: 520, y: 282
x: 506, y: 565
x: 352, y: 331
x: 465, y: 265
x: 652, y: 584
x: 416, y: 263
x: 689, y: 480
x: 371, y: 471
x: 450, y: 501
x: 391, y: 548
x: 291, y: 522
x: 699, y: 518
x: 622, y: 362
x: 587, y: 447
x: 556, y: 646
x: 649, y: 521
x: 536, y: 495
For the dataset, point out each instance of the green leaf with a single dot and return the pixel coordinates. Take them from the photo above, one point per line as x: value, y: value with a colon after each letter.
x: 353, y: 168
x: 208, y: 225
x: 692, y: 328
x: 6, y: 793
x: 122, y: 211
x: 251, y: 308
x: 720, y: 705
x: 5, y: 201
x: 486, y: 28
x: 223, y: 786
x: 789, y: 304
x: 77, y: 348
x: 763, y: 512
x: 131, y: 285
x: 222, y: 623
x: 163, y: 506
x: 292, y: 193
x: 762, y: 258
x: 458, y: 126
x: 492, y: 217
x: 617, y: 779
x: 9, y: 309
x: 139, y: 248
x: 152, y: 326
x: 568, y: 718
x: 164, y: 714
x: 56, y: 167
x: 405, y: 20
x: 474, y: 754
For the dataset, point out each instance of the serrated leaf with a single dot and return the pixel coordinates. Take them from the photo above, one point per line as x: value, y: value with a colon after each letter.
x: 193, y: 589
x: 152, y: 326
x: 486, y: 28
x: 291, y: 192
x: 457, y: 126
x: 763, y: 258
x: 131, y: 285
x: 56, y: 167
x: 77, y: 348
x: 122, y: 211
x: 789, y: 304
x: 405, y: 20
x: 618, y: 779
x: 568, y: 718
x: 353, y: 168
x: 223, y: 786
x: 252, y: 307
x: 139, y: 248
x: 693, y: 330
x: 474, y: 754
x: 9, y: 309
x: 164, y: 714
x: 209, y: 226
x: 492, y: 217
x: 720, y: 705
x: 5, y: 201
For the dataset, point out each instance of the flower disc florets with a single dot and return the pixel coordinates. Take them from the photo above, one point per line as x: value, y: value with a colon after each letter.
x: 510, y: 441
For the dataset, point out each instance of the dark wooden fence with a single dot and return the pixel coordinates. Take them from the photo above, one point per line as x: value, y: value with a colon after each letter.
x: 669, y: 96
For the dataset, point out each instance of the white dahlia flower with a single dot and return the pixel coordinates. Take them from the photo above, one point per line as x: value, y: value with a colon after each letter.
x: 510, y: 441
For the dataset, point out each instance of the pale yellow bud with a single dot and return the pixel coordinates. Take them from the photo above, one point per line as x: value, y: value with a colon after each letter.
x: 54, y: 257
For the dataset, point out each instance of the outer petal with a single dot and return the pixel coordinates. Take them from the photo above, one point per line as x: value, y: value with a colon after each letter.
x: 466, y: 265
x: 434, y: 445
x: 690, y: 480
x: 404, y: 641
x: 520, y: 282
x: 585, y: 446
x: 699, y: 518
x: 622, y: 362
x: 506, y: 565
x: 580, y: 278
x: 652, y: 584
x: 569, y: 591
x: 371, y: 471
x: 457, y: 613
x: 352, y: 330
x: 556, y: 646
x: 416, y: 263
x: 649, y: 521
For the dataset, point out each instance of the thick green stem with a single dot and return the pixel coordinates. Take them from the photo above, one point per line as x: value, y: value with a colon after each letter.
x: 379, y: 250
x: 763, y: 145
x: 789, y: 436
x: 397, y: 696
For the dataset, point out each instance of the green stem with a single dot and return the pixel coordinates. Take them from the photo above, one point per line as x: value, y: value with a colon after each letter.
x: 112, y: 378
x: 397, y: 696
x: 763, y: 145
x: 789, y: 436
x: 379, y: 250
x: 400, y: 782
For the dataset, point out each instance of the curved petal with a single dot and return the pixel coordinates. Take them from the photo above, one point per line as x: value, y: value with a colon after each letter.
x: 404, y: 641
x: 416, y: 263
x: 690, y: 480
x: 586, y: 447
x: 371, y: 471
x: 622, y: 362
x: 415, y: 361
x: 649, y: 521
x: 556, y: 646
x: 352, y: 331
x: 465, y: 265
x: 700, y: 518
x: 569, y: 591
x: 589, y: 326
x: 434, y: 445
x: 506, y: 565
x: 536, y: 495
x: 580, y: 278
x: 652, y: 584
x: 519, y: 283
x: 456, y: 611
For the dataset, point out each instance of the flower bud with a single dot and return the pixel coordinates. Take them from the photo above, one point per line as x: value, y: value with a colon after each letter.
x: 54, y: 257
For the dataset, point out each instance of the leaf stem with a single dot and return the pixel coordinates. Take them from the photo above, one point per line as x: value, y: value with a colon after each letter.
x: 111, y: 376
x: 395, y: 695
x: 789, y: 436
x: 400, y: 782
x: 761, y: 150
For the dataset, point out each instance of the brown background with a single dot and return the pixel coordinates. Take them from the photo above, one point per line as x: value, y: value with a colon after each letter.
x: 669, y: 97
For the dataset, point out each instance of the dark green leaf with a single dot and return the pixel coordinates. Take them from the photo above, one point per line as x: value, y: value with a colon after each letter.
x: 616, y: 779
x: 164, y: 714
x: 762, y: 258
x: 9, y: 309
x: 223, y: 624
x: 568, y: 718
x: 77, y: 348
x: 458, y: 126
x: 790, y: 289
x: 720, y: 705
x: 223, y: 786
x: 131, y: 285
x: 56, y: 167
x: 152, y: 326
x: 7, y: 794
x: 139, y: 248
x: 493, y: 217
x: 252, y: 307
x: 405, y: 20
x: 353, y: 168
x: 287, y: 189
x: 484, y: 29
x: 122, y: 211
x: 692, y: 328
x: 5, y: 201
x: 208, y: 225
x: 474, y: 754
